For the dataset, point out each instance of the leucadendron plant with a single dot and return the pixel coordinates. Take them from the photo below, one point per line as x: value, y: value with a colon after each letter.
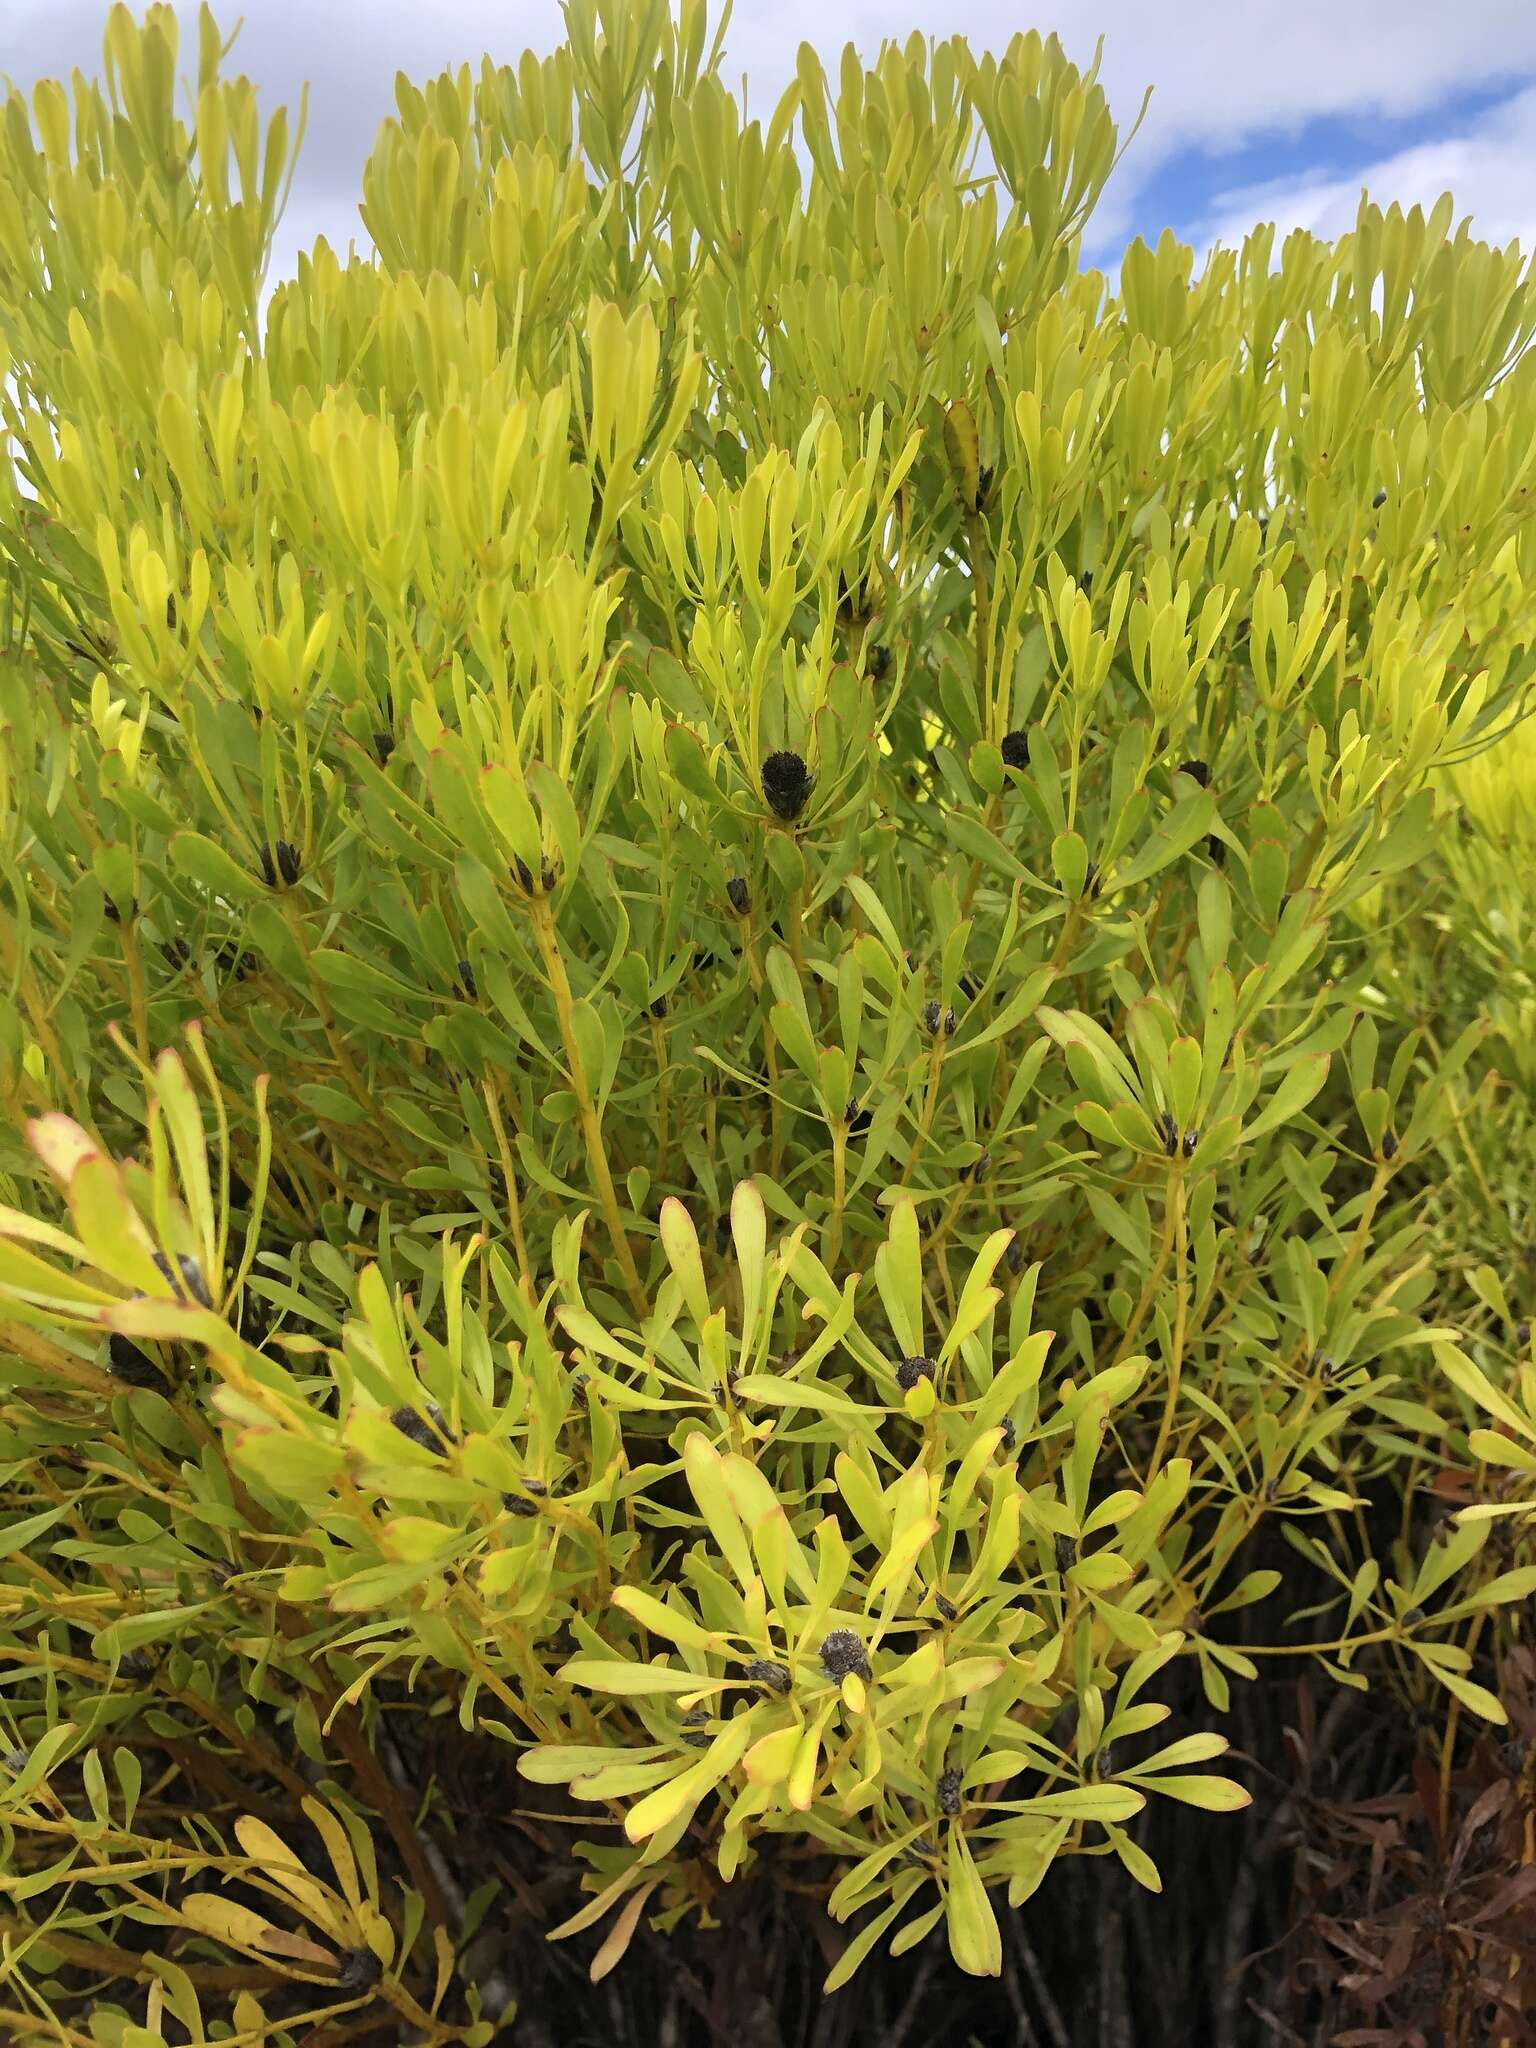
x: 695, y: 1093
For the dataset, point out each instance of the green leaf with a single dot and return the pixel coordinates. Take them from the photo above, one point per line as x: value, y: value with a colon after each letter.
x: 208, y: 864
x: 975, y: 1941
x: 600, y: 1674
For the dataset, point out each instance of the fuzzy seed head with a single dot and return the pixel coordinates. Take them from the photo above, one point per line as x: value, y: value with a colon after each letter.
x: 358, y: 1971
x: 949, y: 1794
x: 911, y: 1370
x: 787, y: 784
x: 135, y: 1368
x: 844, y: 1656
x: 431, y: 1430
x: 1016, y: 749
x: 765, y: 1672
x: 190, y: 1285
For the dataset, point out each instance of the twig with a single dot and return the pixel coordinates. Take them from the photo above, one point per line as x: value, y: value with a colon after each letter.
x: 1049, y: 2013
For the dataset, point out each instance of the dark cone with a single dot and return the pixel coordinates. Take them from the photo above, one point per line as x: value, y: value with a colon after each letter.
x: 358, y: 1971
x: 765, y: 1672
x: 135, y: 1368
x: 843, y: 1655
x: 787, y: 784
x: 429, y: 1430
x: 188, y: 1283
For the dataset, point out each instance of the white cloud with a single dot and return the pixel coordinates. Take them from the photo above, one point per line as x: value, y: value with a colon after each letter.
x: 1491, y: 170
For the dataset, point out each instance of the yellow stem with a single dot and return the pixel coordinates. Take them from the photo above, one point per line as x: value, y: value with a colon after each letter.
x: 509, y: 1177
x: 591, y: 1126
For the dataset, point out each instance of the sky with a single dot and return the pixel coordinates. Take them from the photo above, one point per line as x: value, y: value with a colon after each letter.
x: 1277, y: 110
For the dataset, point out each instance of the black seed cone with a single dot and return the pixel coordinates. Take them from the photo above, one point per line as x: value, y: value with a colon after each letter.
x: 787, y: 783
x: 738, y: 895
x: 911, y: 1370
x: 430, y: 1430
x: 1015, y: 749
x: 358, y: 1971
x: 767, y: 1673
x: 843, y: 1654
x: 279, y: 863
x: 188, y: 1282
x: 1198, y: 771
x: 135, y: 1368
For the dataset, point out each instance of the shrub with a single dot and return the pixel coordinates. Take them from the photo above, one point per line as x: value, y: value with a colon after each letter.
x: 748, y: 796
